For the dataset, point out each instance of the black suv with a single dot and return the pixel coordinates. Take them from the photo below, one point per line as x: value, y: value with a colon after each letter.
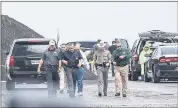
x: 145, y: 37
x: 23, y: 59
x: 162, y: 63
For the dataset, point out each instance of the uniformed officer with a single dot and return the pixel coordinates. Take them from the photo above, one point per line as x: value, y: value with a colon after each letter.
x: 52, y: 62
x: 102, y: 59
x: 121, y: 59
x: 71, y: 58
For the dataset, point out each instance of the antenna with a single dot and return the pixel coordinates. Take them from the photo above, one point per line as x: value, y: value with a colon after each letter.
x: 58, y: 37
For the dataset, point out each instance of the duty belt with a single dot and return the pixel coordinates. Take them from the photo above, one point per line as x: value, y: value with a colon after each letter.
x: 50, y: 66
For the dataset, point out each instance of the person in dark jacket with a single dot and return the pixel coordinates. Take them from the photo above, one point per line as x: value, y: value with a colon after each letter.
x: 121, y: 58
x: 72, y: 60
x: 111, y: 49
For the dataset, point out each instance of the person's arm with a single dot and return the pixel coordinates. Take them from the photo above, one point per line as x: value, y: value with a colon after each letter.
x: 64, y: 59
x: 113, y: 57
x: 43, y: 57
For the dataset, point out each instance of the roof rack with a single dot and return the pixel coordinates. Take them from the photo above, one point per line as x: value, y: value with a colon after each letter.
x: 157, y: 34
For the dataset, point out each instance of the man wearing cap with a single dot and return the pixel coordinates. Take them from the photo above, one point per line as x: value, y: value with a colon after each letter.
x: 102, y: 59
x: 71, y: 58
x: 51, y: 58
x: 120, y: 58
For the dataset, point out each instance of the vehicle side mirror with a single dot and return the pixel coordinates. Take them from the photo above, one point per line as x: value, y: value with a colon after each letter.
x: 147, y: 55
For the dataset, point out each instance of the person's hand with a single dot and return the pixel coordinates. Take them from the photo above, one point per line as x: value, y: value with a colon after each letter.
x: 65, y: 62
x: 60, y: 69
x: 79, y: 65
x: 121, y: 57
x: 39, y: 70
x: 107, y: 64
x: 114, y: 63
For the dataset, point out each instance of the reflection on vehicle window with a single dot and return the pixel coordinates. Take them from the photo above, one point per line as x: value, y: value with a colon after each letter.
x: 169, y: 50
x: 29, y: 50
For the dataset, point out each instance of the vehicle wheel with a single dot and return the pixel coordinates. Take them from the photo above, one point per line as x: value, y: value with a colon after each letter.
x: 155, y: 79
x: 10, y: 85
x: 134, y: 76
x: 146, y: 79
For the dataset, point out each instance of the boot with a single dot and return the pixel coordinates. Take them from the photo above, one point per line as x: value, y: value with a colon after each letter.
x: 117, y: 94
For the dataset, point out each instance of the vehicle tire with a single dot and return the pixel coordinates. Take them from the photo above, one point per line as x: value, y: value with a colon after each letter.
x: 146, y: 79
x: 155, y: 79
x: 134, y: 76
x: 10, y: 85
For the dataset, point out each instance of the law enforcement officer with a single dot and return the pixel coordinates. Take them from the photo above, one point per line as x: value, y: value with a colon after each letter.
x: 52, y: 62
x: 71, y: 58
x: 121, y: 57
x: 102, y: 59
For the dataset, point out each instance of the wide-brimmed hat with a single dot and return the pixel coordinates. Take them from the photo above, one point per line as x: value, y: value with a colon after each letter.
x: 101, y: 44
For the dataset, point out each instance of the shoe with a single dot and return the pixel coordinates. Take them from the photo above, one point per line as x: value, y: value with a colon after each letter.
x: 99, y: 94
x: 61, y: 91
x: 105, y: 94
x: 117, y: 94
x: 80, y: 94
x: 124, y: 95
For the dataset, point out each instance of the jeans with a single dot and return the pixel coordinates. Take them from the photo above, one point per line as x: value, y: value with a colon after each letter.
x: 80, y: 73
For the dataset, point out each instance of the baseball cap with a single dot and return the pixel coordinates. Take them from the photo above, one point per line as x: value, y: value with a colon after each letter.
x: 51, y: 42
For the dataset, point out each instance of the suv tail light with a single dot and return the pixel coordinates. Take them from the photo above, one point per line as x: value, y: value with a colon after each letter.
x: 11, y: 62
x: 163, y: 60
x: 136, y: 58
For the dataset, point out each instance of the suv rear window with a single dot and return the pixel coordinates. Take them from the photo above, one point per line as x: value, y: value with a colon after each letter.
x: 29, y: 49
x: 169, y: 50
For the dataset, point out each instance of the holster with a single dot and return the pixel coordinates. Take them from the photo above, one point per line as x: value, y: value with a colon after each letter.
x: 104, y: 64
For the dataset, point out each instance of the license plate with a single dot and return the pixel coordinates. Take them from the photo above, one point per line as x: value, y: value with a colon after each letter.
x: 173, y: 63
x: 35, y: 61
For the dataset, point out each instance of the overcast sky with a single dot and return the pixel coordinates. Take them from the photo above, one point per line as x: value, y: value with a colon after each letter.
x: 93, y: 20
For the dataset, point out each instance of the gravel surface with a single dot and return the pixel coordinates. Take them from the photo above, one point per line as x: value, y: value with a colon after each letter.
x: 140, y: 94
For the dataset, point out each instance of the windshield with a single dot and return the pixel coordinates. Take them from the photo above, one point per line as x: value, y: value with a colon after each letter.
x: 35, y: 49
x: 169, y: 50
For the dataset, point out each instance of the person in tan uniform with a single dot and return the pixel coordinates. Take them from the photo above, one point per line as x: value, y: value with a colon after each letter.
x: 120, y: 58
x: 102, y: 59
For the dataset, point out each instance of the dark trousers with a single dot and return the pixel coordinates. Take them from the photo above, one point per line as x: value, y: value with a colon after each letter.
x: 71, y: 74
x: 112, y: 67
x: 80, y: 73
x: 52, y: 80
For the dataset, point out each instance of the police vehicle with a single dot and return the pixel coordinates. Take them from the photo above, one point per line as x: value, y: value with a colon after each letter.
x: 23, y: 59
x: 163, y: 63
x: 144, y: 37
